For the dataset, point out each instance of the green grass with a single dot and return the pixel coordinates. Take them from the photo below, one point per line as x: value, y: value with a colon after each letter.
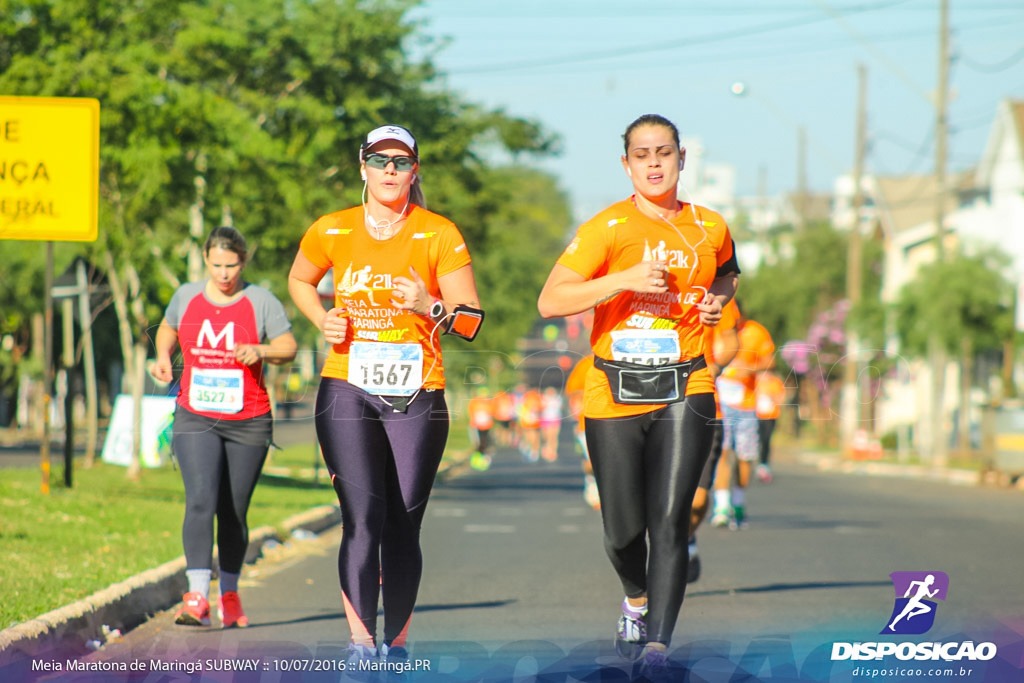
x: 63, y: 547
x: 66, y: 546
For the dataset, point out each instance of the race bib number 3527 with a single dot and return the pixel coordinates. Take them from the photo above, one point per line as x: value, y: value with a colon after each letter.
x: 219, y: 391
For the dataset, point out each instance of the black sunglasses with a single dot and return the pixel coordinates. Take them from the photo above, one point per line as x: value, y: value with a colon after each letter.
x: 381, y: 161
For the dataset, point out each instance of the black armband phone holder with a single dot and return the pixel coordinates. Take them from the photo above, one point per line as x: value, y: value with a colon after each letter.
x: 465, y: 321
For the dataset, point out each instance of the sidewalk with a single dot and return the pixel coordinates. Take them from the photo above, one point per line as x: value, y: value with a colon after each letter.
x: 833, y: 461
x: 86, y: 624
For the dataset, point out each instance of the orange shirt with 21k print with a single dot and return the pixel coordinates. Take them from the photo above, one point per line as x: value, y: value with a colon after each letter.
x: 363, y: 272
x: 694, y: 244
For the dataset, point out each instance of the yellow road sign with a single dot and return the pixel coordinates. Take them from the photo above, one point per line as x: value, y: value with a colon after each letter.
x: 49, y: 168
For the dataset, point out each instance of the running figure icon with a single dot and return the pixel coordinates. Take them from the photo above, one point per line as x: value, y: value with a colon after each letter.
x: 915, y: 607
x: 916, y: 595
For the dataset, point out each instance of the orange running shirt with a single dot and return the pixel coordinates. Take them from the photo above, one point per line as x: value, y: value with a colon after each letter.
x: 713, y: 335
x: 481, y: 412
x: 363, y: 272
x: 529, y: 410
x: 575, y: 384
x: 713, y: 340
x: 770, y: 394
x: 504, y: 409
x: 736, y: 386
x: 617, y: 239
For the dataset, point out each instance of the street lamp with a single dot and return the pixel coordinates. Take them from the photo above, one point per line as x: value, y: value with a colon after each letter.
x: 740, y: 89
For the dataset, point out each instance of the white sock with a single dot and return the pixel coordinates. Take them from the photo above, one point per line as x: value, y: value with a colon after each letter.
x: 199, y: 581
x: 228, y: 582
x: 722, y: 499
x: 739, y: 496
x: 635, y: 610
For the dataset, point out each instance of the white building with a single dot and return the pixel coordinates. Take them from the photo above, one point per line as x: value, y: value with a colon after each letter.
x: 982, y: 209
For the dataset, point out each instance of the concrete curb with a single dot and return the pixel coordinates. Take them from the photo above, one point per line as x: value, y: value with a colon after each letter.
x: 893, y: 470
x: 129, y: 603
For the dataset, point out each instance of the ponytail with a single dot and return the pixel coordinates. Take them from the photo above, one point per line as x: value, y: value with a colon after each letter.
x: 416, y: 194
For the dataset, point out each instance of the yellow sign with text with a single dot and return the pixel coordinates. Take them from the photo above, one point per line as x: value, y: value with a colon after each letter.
x: 49, y: 168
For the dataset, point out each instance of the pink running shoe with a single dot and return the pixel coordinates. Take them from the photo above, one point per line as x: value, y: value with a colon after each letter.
x: 229, y: 609
x: 195, y: 611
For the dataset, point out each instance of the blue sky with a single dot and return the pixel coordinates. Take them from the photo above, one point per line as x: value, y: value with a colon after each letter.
x: 586, y: 68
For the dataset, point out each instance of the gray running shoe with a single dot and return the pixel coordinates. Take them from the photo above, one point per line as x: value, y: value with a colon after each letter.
x: 631, y: 635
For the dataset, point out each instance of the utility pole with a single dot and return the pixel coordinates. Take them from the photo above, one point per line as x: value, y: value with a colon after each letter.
x: 850, y: 396
x: 801, y: 178
x: 44, y: 452
x: 941, y: 130
x: 936, y: 352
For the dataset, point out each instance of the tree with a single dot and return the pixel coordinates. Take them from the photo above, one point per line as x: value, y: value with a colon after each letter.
x: 513, y: 249
x: 967, y: 303
x: 21, y: 290
x: 799, y: 294
x: 212, y: 108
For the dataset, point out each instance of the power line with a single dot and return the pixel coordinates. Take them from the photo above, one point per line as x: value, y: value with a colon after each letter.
x: 646, y: 48
x: 992, y: 68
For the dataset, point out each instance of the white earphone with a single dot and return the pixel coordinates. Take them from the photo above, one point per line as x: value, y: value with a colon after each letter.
x: 629, y: 172
x: 362, y: 174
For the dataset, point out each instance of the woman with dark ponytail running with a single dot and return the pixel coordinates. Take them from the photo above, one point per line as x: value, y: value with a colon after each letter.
x: 400, y: 274
x: 227, y: 329
x: 656, y: 271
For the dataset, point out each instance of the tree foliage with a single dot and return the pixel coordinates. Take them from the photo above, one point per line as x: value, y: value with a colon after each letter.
x: 804, y: 276
x: 523, y: 237
x: 256, y: 110
x: 965, y: 298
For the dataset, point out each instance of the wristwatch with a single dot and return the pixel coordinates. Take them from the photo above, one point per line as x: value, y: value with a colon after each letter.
x: 436, y: 309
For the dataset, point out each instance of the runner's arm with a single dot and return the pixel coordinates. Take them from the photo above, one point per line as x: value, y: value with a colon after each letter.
x: 279, y: 351
x: 166, y: 340
x: 567, y: 292
x: 721, y: 291
x: 458, y: 287
x: 302, y: 282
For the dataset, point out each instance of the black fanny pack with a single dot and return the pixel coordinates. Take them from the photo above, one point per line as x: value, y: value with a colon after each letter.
x: 633, y: 383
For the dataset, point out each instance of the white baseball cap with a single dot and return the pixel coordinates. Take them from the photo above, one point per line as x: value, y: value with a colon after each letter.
x: 389, y: 132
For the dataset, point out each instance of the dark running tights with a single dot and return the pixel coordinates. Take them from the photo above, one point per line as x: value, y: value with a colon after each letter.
x: 383, y: 466
x: 219, y: 477
x: 647, y: 469
x: 765, y: 427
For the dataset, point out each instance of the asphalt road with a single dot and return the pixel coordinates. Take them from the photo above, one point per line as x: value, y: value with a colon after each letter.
x: 516, y: 583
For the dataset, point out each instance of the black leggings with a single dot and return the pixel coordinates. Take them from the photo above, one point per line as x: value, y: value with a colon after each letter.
x: 382, y: 464
x: 765, y: 427
x: 707, y: 477
x: 647, y: 469
x: 220, y: 463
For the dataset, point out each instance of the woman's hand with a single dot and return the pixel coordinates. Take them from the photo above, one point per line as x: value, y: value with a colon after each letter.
x: 648, y: 277
x: 248, y: 354
x: 334, y: 325
x: 410, y: 293
x: 710, y: 310
x: 162, y: 370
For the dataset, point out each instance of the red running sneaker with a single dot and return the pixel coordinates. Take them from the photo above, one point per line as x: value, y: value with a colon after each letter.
x: 229, y: 609
x: 195, y: 611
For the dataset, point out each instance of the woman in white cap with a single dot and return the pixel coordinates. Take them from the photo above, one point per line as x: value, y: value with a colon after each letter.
x: 381, y: 418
